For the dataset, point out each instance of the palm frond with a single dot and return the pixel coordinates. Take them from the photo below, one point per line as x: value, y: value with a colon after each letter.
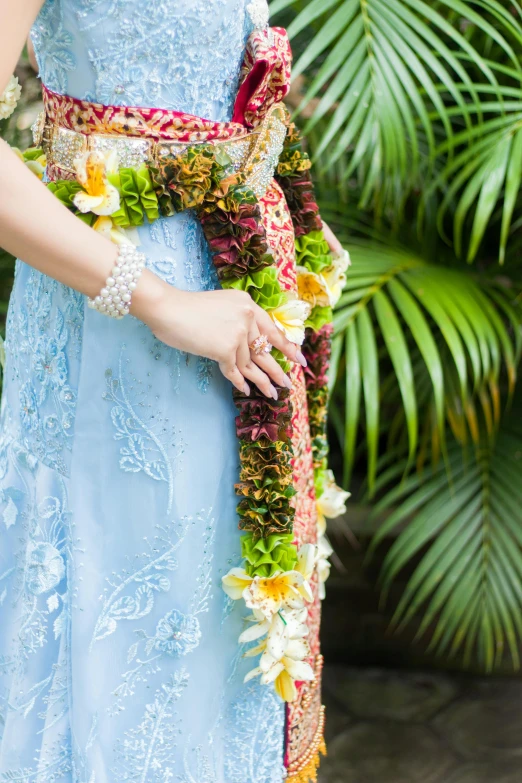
x: 380, y: 69
x: 486, y: 171
x: 468, y: 543
x: 396, y: 306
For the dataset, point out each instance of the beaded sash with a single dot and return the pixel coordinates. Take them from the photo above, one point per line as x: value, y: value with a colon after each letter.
x: 68, y: 128
x: 256, y: 228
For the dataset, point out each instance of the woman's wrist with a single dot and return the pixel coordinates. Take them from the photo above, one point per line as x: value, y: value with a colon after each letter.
x: 150, y: 298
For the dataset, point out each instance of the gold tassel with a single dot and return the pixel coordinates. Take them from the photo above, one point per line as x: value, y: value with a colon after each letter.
x: 308, y: 772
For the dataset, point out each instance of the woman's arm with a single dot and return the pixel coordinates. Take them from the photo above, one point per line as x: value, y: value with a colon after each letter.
x: 36, y: 227
x: 333, y: 243
x: 16, y: 19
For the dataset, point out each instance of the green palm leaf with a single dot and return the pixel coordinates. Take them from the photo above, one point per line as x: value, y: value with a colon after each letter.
x: 379, y: 69
x: 486, y: 172
x: 395, y: 305
x: 468, y: 543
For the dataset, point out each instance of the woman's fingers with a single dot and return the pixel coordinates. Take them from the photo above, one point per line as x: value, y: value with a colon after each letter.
x: 278, y: 338
x: 269, y: 365
x: 261, y: 369
x: 233, y: 374
x: 251, y: 371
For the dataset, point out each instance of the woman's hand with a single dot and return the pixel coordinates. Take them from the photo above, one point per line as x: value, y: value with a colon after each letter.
x: 220, y: 325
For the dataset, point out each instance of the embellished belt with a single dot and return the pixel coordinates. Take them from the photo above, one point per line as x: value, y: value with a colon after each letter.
x: 68, y: 128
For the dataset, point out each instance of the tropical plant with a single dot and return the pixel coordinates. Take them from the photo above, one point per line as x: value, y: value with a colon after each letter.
x: 413, y: 112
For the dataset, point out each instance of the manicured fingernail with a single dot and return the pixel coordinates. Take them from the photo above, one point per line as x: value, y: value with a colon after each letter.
x: 273, y: 392
x: 287, y: 382
x: 300, y: 358
x: 246, y: 389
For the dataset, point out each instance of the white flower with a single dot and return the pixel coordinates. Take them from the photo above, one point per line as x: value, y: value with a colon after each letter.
x: 305, y: 560
x: 342, y: 259
x: 259, y: 14
x: 106, y: 226
x: 283, y: 653
x: 324, y: 289
x: 278, y: 614
x: 335, y: 280
x: 271, y: 594
x: 98, y: 195
x: 236, y: 582
x: 324, y: 550
x: 331, y: 503
x: 268, y: 595
x: 335, y: 275
x: 290, y: 318
x: 9, y: 98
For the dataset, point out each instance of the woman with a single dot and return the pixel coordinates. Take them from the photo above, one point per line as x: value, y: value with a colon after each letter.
x: 119, y: 656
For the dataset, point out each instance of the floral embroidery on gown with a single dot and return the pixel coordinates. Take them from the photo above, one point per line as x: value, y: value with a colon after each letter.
x: 118, y: 457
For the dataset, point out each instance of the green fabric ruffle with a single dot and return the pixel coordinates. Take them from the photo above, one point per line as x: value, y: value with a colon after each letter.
x: 263, y: 286
x: 312, y: 251
x: 137, y: 197
x: 266, y: 556
x: 319, y: 317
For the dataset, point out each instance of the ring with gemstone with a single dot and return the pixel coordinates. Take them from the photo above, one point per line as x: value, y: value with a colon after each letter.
x: 261, y: 345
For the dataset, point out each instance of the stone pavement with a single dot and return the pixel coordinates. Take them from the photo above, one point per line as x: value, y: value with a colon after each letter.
x: 387, y: 726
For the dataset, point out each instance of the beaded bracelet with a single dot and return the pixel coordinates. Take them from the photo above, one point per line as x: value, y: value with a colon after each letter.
x: 115, y: 297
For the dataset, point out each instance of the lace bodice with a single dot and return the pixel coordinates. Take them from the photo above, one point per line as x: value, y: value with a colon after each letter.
x: 174, y: 54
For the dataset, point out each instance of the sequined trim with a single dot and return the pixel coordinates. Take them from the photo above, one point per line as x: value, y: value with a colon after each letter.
x: 256, y: 153
x: 307, y: 773
x: 305, y: 729
x: 259, y: 14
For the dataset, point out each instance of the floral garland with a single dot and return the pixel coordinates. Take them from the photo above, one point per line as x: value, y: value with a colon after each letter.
x: 275, y: 578
x: 320, y: 281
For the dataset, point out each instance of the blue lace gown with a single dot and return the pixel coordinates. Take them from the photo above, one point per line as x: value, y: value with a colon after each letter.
x: 118, y: 651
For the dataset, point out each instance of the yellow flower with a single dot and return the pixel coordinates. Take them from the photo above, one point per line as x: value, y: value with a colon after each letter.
x: 332, y: 501
x: 98, y: 196
x: 324, y: 550
x: 283, y: 653
x: 9, y: 98
x: 312, y: 288
x: 290, y: 318
x: 120, y: 236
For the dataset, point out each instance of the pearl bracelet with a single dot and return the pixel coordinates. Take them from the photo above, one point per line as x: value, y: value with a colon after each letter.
x: 115, y: 297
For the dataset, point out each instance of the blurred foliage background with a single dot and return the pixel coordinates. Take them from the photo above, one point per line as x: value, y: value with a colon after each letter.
x: 413, y: 114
